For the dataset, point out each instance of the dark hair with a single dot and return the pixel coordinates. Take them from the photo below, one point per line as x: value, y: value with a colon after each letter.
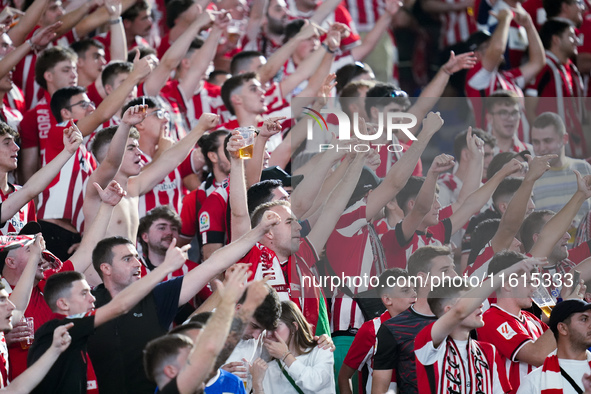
x: 501, y: 97
x: 443, y: 295
x: 231, y: 85
x: 293, y: 28
x: 383, y: 94
x: 175, y: 8
x: 103, y: 252
x: 506, y: 189
x: 260, y: 193
x: 201, y: 318
x: 299, y: 328
x: 104, y: 136
x: 161, y: 351
x: 409, y: 191
x: 269, y: 312
x: 134, y: 11
x: 554, y: 7
x: 504, y: 260
x: 60, y: 285
x: 533, y: 224
x: 48, y: 59
x: 241, y: 61
x: 460, y: 141
x: 151, y: 102
x: 259, y: 211
x: 144, y: 51
x: 420, y: 260
x: 162, y: 212
x: 113, y: 69
x: 497, y: 162
x: 5, y: 129
x: 384, y: 281
x: 183, y: 328
x: 61, y: 99
x: 211, y: 143
x: 80, y: 47
x: 551, y: 28
x: 211, y: 78
x: 351, y: 90
x: 350, y: 71
x: 550, y: 119
x: 482, y: 234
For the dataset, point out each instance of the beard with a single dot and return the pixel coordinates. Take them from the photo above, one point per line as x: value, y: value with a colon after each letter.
x: 275, y: 26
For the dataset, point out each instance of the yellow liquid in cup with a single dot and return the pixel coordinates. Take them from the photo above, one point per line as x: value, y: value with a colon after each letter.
x: 246, y: 152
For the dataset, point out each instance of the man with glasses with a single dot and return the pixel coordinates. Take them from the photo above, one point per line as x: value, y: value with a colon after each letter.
x: 503, y: 115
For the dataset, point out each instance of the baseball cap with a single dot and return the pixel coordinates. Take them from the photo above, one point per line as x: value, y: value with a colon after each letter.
x: 25, y: 237
x: 368, y: 180
x: 564, y: 309
x: 277, y: 172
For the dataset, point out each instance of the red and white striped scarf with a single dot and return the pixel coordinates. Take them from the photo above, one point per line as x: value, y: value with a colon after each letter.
x: 552, y: 380
x: 454, y: 376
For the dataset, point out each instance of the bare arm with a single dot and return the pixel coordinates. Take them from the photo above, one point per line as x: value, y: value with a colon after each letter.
x: 381, y: 381
x: 240, y: 222
x: 537, y: 56
x: 118, y: 47
x: 132, y: 294
x: 474, y: 174
x: 223, y: 258
x: 256, y: 18
x: 32, y: 376
x: 439, y: 7
x: 171, y: 158
x: 498, y: 42
x: 517, y: 208
x: 21, y: 294
x: 98, y: 18
x: 27, y: 22
x: 535, y: 352
x: 344, y: 380
x: 560, y: 223
x: 401, y: 171
x: 42, y: 178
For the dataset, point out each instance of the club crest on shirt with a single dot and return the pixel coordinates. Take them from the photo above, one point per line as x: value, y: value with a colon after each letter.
x: 506, y: 331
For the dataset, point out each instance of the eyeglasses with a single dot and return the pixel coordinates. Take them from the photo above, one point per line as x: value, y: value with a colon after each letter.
x: 506, y: 114
x: 160, y: 114
x: 396, y: 93
x: 83, y: 104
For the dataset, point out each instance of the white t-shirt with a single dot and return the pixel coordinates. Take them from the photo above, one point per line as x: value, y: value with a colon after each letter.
x: 531, y: 384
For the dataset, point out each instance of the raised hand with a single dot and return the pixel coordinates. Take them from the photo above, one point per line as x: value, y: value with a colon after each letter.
x: 176, y: 257
x: 61, y: 337
x: 373, y: 160
x: 512, y: 167
x: 208, y: 121
x: 441, y: 164
x: 144, y: 66
x: 256, y: 292
x: 433, y: 122
x: 234, y: 285
x: 235, y: 142
x: 538, y: 166
x: 392, y: 6
x: 72, y: 138
x: 271, y: 126
x: 42, y: 37
x: 38, y: 246
x: 584, y: 184
x: 309, y: 30
x: 221, y: 20
x: 502, y: 14
x: 113, y: 8
x: 269, y: 220
x: 456, y: 63
x: 527, y: 265
x: 112, y: 194
x: 324, y: 91
x: 335, y: 33
x: 135, y: 114
x: 521, y: 16
x: 475, y: 144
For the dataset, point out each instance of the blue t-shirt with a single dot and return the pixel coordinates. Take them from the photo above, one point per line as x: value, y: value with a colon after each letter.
x: 225, y: 383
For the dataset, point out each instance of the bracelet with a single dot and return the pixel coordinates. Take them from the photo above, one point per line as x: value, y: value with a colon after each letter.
x: 31, y: 43
x: 285, y: 356
x: 328, y: 49
x: 447, y: 72
x: 115, y: 21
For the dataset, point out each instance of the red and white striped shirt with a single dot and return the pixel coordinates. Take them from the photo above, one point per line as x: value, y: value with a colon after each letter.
x: 207, y: 100
x: 168, y: 192
x: 64, y: 196
x: 36, y: 124
x: 15, y: 99
x: 456, y: 26
x: 365, y: 13
x: 23, y: 216
x: 353, y: 250
x: 509, y: 333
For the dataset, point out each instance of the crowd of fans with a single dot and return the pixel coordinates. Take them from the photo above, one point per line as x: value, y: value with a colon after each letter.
x: 352, y: 251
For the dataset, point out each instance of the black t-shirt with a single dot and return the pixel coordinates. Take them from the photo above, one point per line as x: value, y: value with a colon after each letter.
x: 170, y: 388
x: 116, y: 348
x: 68, y: 373
x: 396, y: 347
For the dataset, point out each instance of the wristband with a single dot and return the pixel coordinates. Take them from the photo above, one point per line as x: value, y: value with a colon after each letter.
x: 115, y: 21
x: 447, y: 72
x: 285, y: 356
x: 328, y: 49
